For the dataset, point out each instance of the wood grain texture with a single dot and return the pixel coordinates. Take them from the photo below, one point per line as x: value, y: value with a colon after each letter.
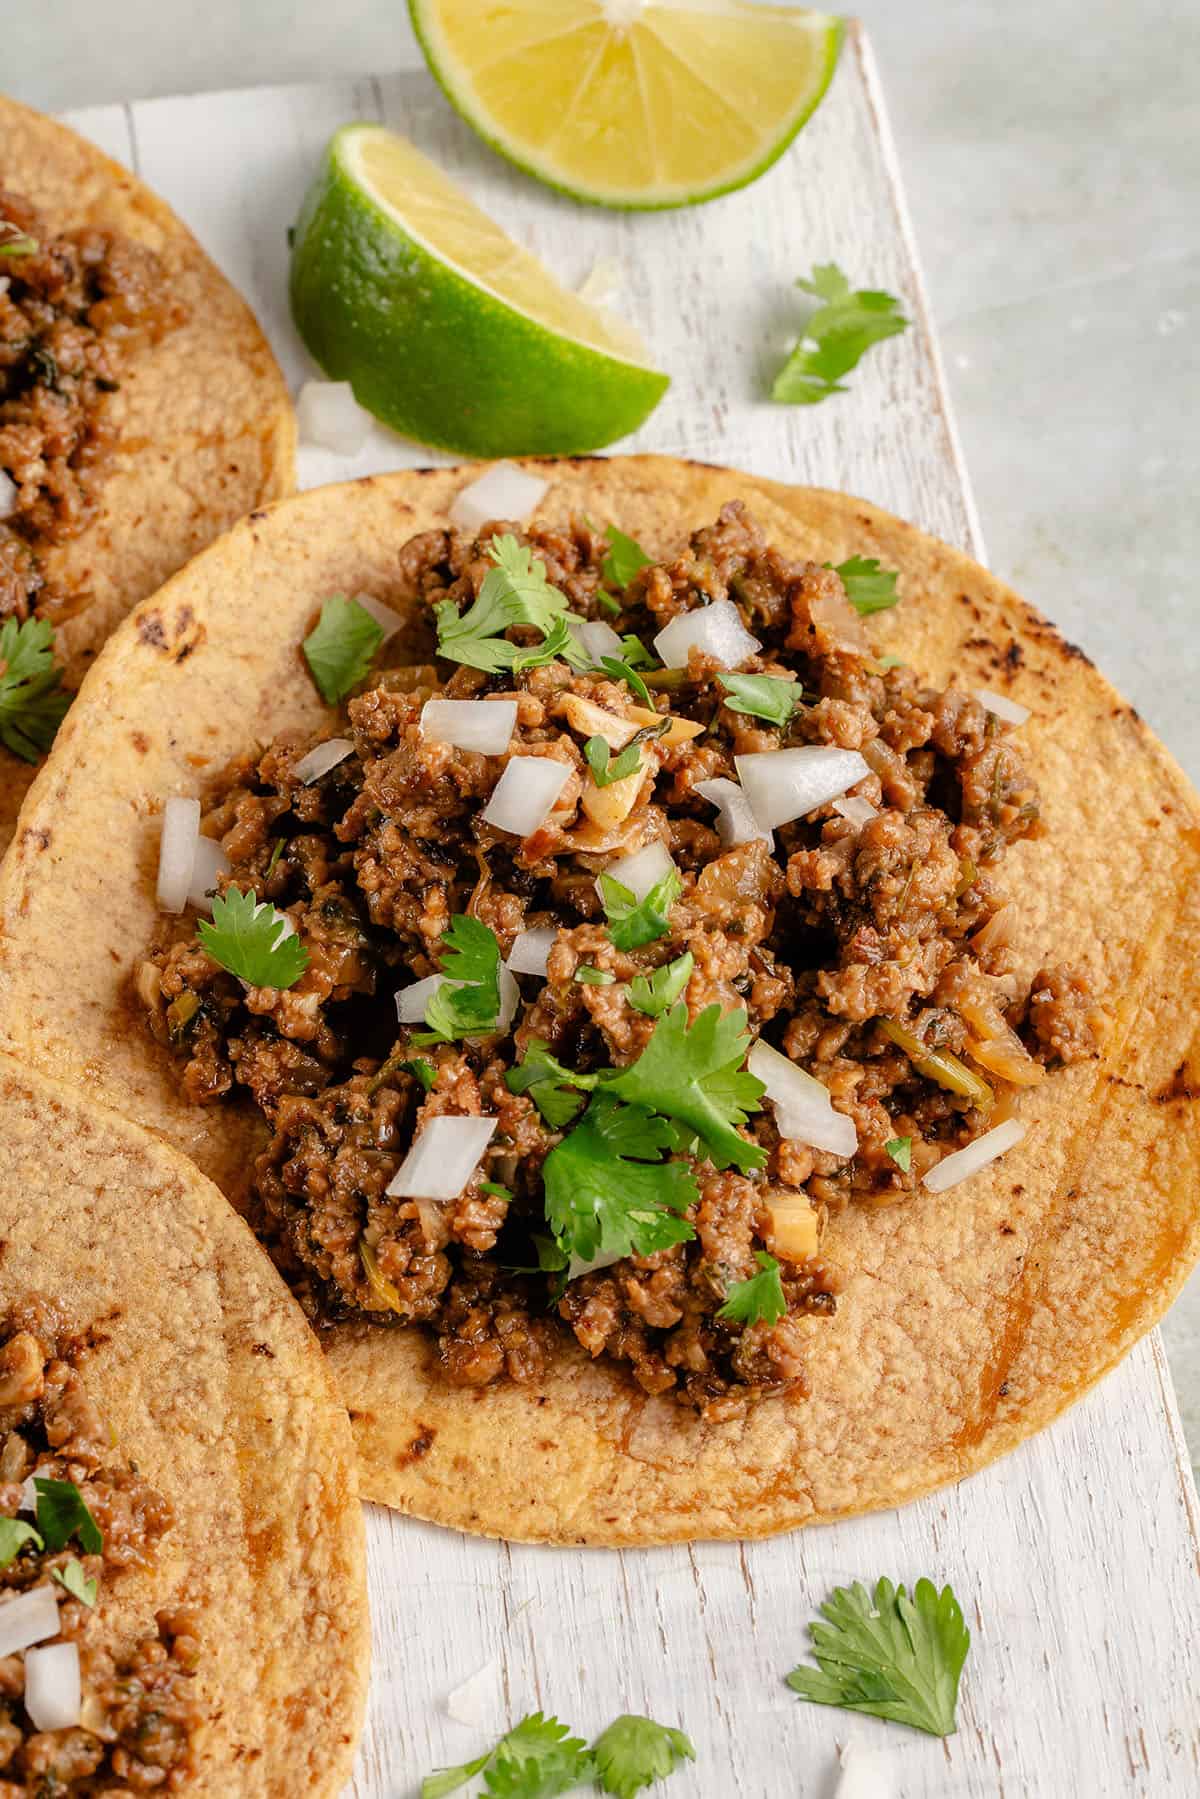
x: 1077, y: 1558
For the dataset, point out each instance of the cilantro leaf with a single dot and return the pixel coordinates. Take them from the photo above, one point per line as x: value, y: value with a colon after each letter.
x: 14, y: 1534
x: 253, y: 941
x: 760, y: 1299
x: 607, y: 1189
x: 514, y: 592
x: 896, y: 1657
x: 886, y: 662
x: 836, y: 337
x: 635, y: 1752
x: 900, y: 1150
x: 869, y: 588
x: 609, y: 601
x: 588, y: 976
x: 537, y: 1759
x: 340, y: 647
x: 762, y: 696
x: 624, y: 671
x: 695, y: 1076
x: 32, y: 702
x: 653, y: 994
x: 20, y: 245
x: 557, y: 644
x: 625, y: 557
x: 467, y: 1003
x: 548, y: 1084
x: 498, y: 1190
x: 633, y: 922
x: 607, y: 768
x: 73, y: 1578
x: 62, y: 1514
x: 635, y: 652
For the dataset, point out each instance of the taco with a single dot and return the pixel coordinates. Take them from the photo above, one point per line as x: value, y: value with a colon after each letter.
x: 141, y: 412
x: 665, y: 1200
x: 182, y: 1585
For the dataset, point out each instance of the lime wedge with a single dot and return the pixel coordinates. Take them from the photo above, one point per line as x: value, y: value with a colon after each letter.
x: 447, y: 330
x: 632, y: 103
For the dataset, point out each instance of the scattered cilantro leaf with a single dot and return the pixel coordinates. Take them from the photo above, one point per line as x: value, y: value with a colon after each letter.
x: 548, y: 1084
x: 900, y: 1150
x: 869, y: 588
x: 514, y: 592
x: 421, y: 1070
x: 835, y: 338
x: 73, y: 1578
x: 467, y: 1004
x: 635, y: 652
x: 14, y: 1534
x: 558, y: 644
x: 63, y: 1514
x: 654, y: 994
x: 760, y: 1299
x: 607, y: 768
x: 32, y: 702
x: 245, y: 937
x: 340, y: 647
x: 896, y: 1657
x: 624, y: 671
x: 609, y: 601
x: 15, y: 242
x: 594, y: 977
x: 762, y: 696
x: 695, y: 1076
x: 607, y: 1188
x: 883, y: 663
x: 272, y: 865
x: 537, y: 1759
x: 633, y: 922
x: 625, y: 557
x: 498, y: 1190
x: 635, y: 1752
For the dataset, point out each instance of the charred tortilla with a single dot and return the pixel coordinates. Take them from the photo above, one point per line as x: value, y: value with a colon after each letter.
x: 214, y: 1402
x: 201, y: 423
x: 965, y: 1321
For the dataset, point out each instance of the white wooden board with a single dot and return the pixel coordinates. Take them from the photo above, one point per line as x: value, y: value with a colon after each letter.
x: 1076, y: 1558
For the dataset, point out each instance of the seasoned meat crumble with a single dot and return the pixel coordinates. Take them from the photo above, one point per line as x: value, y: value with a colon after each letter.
x: 871, y: 950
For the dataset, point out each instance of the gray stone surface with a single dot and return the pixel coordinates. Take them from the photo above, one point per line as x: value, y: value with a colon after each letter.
x: 1052, y: 159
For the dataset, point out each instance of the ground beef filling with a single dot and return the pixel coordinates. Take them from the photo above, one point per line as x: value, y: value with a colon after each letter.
x: 876, y: 955
x: 71, y: 308
x: 139, y: 1714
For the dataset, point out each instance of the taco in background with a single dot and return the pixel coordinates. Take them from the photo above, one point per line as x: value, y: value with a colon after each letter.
x: 141, y: 412
x: 182, y: 1583
x: 693, y: 1221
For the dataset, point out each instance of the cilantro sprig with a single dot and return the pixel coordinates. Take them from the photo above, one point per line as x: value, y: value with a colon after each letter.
x: 889, y: 1654
x: 654, y: 994
x: 624, y: 559
x: 537, y: 1759
x: 635, y: 1752
x: 846, y: 323
x: 515, y: 591
x: 759, y: 1299
x: 73, y: 1577
x: 619, y: 670
x: 869, y: 588
x: 468, y: 1001
x: 62, y: 1513
x: 607, y: 768
x: 694, y: 1076
x: 253, y: 941
x: 633, y: 922
x: 14, y: 1534
x: 762, y: 696
x: 609, y: 1189
x: 900, y: 1150
x: 32, y: 702
x: 548, y: 1084
x: 341, y: 646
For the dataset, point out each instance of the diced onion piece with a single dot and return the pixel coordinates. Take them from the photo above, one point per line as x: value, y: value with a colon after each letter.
x: 322, y: 758
x: 736, y: 822
x: 716, y: 630
x: 526, y: 794
x: 598, y: 638
x: 965, y: 1162
x: 8, y: 498
x: 383, y: 615
x: 795, y: 1227
x: 857, y: 812
x: 442, y: 1159
x: 531, y: 949
x: 208, y: 863
x: 866, y: 1773
x: 177, y: 852
x: 804, y: 1111
x: 485, y: 726
x: 29, y: 1496
x: 29, y: 1617
x: 641, y: 871
x: 1010, y: 710
x: 786, y: 784
x: 504, y: 491
x: 510, y: 999
x: 330, y: 418
x: 412, y: 1001
x: 578, y: 1266
x: 53, y: 1693
x: 468, y: 1703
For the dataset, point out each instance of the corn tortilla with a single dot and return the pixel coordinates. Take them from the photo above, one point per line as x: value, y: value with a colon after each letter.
x: 966, y: 1320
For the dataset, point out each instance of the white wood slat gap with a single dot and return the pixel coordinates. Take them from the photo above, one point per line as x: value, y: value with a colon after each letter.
x: 1077, y: 1557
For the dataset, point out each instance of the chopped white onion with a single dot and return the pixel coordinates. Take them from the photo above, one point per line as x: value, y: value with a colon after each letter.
x: 8, y: 495
x: 965, y: 1162
x: 510, y: 999
x: 468, y: 1703
x: 736, y: 822
x: 716, y: 629
x: 786, y: 784
x: 322, y: 758
x: 442, y: 1159
x: 30, y: 1617
x: 1010, y: 710
x: 412, y: 1001
x: 804, y: 1111
x: 208, y: 863
x: 641, y: 871
x: 485, y: 726
x: 531, y: 949
x: 866, y: 1773
x: 29, y: 1496
x: 383, y: 615
x: 330, y: 418
x: 602, y: 283
x: 857, y: 812
x: 53, y: 1692
x: 526, y: 794
x: 598, y: 638
x: 504, y: 491
x: 177, y: 852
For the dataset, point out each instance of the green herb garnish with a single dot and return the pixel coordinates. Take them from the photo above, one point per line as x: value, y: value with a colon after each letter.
x: 607, y: 768
x: 340, y: 648
x: 869, y: 588
x: 14, y: 1534
x: 654, y: 994
x: 635, y: 653
x: 62, y: 1514
x: 15, y: 242
x: 467, y: 1004
x: 695, y: 1077
x: 633, y: 922
x: 73, y: 1578
x: 558, y: 644
x: 625, y: 557
x: 588, y: 976
x: 838, y: 334
x: 896, y: 1657
x: 900, y: 1150
x: 623, y: 671
x: 762, y: 696
x: 514, y: 592
x: 537, y: 1759
x: 608, y: 1189
x: 758, y: 1300
x: 32, y: 703
x: 246, y: 937
x: 548, y: 1084
x: 635, y: 1752
x: 497, y: 1190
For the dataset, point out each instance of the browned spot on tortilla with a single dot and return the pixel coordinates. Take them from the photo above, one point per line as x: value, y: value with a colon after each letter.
x: 263, y: 1546
x: 140, y: 742
x: 419, y: 1447
x: 151, y: 630
x: 262, y: 1349
x: 36, y: 839
x: 1014, y: 655
x: 1183, y: 1084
